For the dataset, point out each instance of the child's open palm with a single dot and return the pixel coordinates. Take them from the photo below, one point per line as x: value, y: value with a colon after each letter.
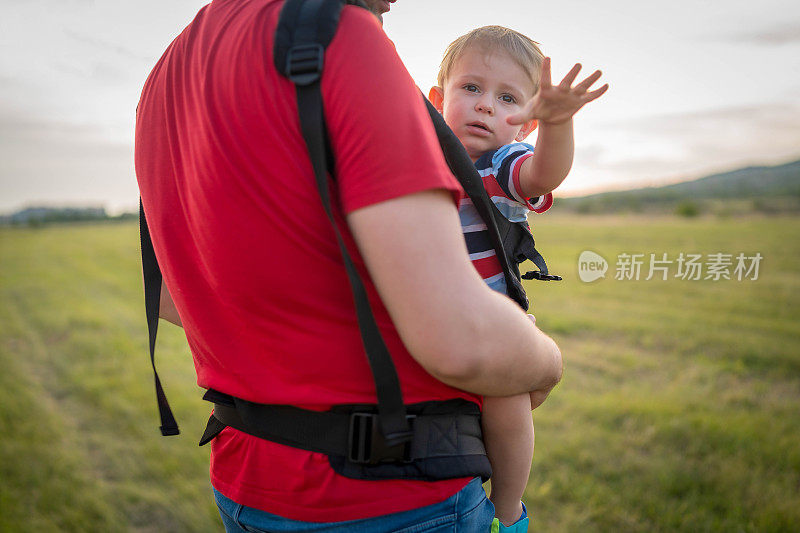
x: 556, y: 104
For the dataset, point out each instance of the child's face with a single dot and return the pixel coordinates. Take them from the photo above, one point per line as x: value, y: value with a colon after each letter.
x: 483, y: 89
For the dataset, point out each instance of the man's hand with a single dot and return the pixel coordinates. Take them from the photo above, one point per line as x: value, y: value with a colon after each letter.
x: 539, y: 396
x: 557, y: 104
x: 166, y: 308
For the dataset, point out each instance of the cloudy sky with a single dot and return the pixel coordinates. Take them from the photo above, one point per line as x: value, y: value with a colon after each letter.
x: 696, y: 86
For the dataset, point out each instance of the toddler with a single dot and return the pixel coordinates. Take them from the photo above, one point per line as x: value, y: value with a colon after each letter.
x: 493, y: 90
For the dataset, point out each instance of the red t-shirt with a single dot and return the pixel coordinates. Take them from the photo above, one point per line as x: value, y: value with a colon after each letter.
x: 251, y: 259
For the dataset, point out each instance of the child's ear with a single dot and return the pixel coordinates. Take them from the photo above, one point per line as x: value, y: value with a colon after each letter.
x: 436, y: 96
x: 526, y: 130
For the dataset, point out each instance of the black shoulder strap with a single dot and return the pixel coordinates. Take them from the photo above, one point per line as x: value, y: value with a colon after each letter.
x: 305, y: 28
x: 152, y: 303
x: 464, y: 170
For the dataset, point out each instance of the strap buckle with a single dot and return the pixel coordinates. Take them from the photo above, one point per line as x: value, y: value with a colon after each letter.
x: 535, y: 274
x: 366, y: 444
x: 304, y: 63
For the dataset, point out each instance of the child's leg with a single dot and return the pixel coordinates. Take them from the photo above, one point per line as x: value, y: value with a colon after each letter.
x: 508, y: 435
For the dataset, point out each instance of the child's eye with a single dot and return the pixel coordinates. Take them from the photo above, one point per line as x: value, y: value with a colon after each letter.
x: 471, y: 87
x: 507, y: 98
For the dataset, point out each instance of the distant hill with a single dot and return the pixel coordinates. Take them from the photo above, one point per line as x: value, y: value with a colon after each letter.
x: 42, y: 215
x: 766, y: 189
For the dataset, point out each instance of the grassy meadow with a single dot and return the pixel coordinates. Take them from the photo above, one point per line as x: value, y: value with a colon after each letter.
x: 679, y: 409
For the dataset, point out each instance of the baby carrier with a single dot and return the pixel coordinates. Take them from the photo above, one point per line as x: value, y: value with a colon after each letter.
x: 387, y: 440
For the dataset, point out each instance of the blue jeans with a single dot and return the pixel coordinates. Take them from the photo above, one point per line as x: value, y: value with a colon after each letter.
x: 466, y: 511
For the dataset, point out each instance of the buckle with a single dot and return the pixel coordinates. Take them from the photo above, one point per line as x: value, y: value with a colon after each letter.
x: 304, y: 63
x: 366, y: 444
x: 535, y: 274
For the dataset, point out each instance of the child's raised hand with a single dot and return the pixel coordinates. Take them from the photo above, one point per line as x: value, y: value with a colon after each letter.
x: 556, y: 104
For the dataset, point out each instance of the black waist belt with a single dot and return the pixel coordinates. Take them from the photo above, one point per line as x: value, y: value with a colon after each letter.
x: 446, y: 440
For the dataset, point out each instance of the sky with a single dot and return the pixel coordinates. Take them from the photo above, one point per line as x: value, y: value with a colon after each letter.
x: 696, y: 86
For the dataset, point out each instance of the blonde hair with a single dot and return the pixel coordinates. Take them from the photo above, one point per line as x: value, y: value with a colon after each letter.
x: 523, y: 50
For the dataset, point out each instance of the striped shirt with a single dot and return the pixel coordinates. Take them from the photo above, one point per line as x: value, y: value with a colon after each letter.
x: 499, y: 170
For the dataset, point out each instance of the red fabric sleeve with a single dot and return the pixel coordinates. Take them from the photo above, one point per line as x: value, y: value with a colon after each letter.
x: 381, y: 133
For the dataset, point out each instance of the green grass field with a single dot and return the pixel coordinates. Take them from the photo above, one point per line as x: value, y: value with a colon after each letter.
x: 679, y: 409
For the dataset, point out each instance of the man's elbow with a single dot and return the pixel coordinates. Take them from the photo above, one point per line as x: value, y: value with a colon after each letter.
x: 477, y: 361
x: 455, y: 368
x: 458, y: 358
x: 556, y: 371
x: 550, y: 365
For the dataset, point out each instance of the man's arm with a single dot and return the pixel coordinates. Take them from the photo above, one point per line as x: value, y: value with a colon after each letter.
x: 166, y: 307
x: 459, y: 330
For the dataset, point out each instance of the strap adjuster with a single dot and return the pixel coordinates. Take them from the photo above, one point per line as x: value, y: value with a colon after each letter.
x: 366, y: 444
x: 535, y: 274
x: 169, y: 430
x: 304, y: 63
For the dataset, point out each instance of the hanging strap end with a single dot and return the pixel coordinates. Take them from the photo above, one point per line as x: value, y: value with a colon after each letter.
x: 169, y: 430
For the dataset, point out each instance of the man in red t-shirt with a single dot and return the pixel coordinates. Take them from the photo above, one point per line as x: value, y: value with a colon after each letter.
x: 257, y: 280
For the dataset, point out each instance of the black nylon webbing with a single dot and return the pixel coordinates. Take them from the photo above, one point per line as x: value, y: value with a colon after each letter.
x: 391, y: 410
x: 444, y: 434
x: 464, y: 169
x: 387, y: 385
x: 152, y: 304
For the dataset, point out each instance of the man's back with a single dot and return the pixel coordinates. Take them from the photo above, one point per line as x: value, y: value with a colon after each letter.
x: 246, y: 250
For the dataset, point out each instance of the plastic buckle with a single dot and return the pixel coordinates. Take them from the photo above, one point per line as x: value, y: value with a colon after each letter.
x: 304, y: 63
x: 366, y: 444
x: 535, y: 274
